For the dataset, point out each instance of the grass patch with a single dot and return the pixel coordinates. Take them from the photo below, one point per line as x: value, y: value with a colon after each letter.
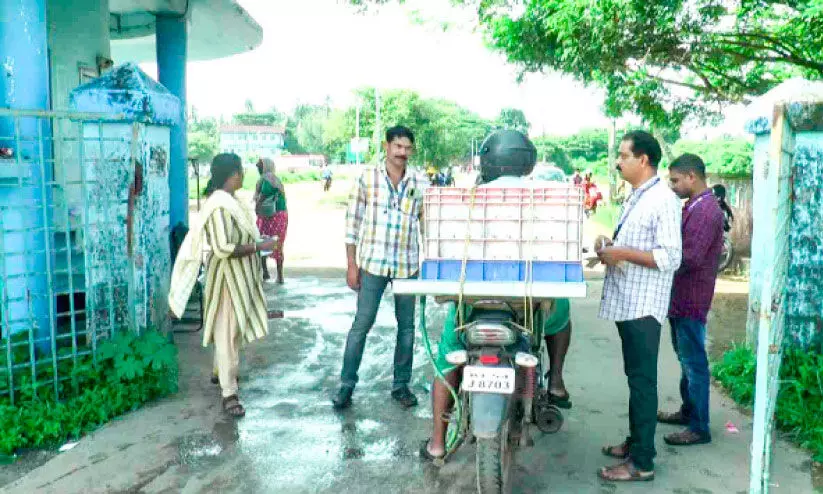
x: 799, y: 400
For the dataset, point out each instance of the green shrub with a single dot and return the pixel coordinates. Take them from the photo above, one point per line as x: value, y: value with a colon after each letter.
x: 799, y: 400
x: 129, y: 371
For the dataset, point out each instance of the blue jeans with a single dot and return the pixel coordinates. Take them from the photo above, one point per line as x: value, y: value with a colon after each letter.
x: 368, y: 301
x: 689, y: 341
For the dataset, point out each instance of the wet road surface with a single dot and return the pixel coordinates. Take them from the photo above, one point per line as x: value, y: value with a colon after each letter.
x: 292, y: 441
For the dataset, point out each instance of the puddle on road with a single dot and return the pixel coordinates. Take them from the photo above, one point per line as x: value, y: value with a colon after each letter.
x: 290, y: 433
x: 195, y: 449
x: 817, y: 476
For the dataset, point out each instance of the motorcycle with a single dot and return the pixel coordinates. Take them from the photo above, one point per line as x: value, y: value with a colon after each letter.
x: 503, y: 392
x: 727, y: 253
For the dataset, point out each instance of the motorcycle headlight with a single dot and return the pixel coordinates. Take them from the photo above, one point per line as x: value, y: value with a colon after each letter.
x: 490, y: 335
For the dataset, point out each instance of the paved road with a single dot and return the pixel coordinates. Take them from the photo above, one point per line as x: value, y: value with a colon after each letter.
x: 291, y: 441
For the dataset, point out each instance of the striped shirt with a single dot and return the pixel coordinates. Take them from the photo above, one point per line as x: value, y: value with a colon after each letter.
x: 650, y: 221
x: 241, y: 275
x: 383, y: 221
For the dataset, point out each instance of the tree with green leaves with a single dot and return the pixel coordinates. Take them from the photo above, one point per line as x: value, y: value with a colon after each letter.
x: 513, y: 119
x: 203, y: 139
x: 250, y: 117
x: 665, y: 61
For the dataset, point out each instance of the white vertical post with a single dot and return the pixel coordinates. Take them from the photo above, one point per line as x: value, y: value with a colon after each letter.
x: 772, y: 187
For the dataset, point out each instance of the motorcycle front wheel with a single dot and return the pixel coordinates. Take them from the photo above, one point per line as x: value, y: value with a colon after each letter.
x: 494, y: 461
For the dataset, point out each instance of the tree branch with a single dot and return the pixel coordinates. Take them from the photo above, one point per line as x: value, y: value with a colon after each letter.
x: 802, y: 62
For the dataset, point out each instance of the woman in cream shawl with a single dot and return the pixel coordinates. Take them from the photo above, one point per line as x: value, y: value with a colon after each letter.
x: 235, y: 307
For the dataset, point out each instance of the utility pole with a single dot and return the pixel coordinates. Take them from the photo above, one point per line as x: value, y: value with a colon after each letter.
x: 357, y: 133
x: 612, y: 160
x: 378, y: 126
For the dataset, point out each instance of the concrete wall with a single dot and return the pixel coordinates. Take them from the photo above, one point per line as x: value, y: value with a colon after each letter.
x: 78, y: 33
x: 804, y: 288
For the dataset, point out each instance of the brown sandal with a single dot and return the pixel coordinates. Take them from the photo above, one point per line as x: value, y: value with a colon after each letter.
x: 625, y: 472
x: 232, y: 406
x: 614, y: 451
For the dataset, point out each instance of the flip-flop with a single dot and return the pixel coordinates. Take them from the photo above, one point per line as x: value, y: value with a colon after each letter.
x: 426, y: 456
x: 560, y: 401
x: 609, y: 451
x: 634, y: 475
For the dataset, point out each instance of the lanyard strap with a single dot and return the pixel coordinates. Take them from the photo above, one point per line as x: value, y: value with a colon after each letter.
x: 395, y: 195
x: 634, y: 199
x: 696, y: 202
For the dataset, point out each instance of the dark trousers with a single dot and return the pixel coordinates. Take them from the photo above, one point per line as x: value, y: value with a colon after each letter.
x: 368, y: 301
x: 641, y: 344
x: 689, y: 341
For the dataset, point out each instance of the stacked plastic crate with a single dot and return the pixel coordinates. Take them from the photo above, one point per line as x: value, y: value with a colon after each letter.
x: 528, y: 232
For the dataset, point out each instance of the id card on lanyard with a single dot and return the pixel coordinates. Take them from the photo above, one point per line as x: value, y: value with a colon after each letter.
x: 636, y: 198
x: 395, y: 195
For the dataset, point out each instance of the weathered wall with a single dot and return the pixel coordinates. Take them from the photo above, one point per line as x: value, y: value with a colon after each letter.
x: 803, y: 302
x: 132, y: 170
x: 78, y: 33
x: 805, y: 283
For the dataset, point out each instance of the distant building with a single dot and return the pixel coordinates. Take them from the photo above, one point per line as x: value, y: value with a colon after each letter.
x: 260, y: 140
x: 296, y: 162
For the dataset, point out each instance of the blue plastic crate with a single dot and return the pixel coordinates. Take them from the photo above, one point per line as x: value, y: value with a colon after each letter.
x: 554, y: 271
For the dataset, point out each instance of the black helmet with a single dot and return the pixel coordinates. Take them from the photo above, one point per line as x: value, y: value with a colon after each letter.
x: 506, y: 153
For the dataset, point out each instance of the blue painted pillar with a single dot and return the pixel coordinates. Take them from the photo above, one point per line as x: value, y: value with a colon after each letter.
x: 24, y: 207
x: 172, y: 38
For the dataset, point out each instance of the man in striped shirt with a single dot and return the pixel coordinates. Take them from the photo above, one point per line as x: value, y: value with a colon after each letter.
x: 641, y: 261
x: 383, y: 224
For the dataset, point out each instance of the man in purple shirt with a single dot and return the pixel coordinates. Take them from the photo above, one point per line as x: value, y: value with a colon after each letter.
x: 692, y: 292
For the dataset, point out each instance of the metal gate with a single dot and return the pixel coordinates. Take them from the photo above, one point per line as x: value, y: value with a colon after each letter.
x: 81, y: 205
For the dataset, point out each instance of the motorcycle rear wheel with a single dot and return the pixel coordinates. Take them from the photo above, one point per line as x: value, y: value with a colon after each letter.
x: 493, y: 463
x: 726, y: 255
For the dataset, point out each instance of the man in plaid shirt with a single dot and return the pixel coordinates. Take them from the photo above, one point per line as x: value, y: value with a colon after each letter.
x: 641, y: 261
x: 382, y: 243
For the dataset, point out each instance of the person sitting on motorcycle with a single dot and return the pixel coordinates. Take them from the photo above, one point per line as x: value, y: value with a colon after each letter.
x: 556, y: 325
x: 326, y: 176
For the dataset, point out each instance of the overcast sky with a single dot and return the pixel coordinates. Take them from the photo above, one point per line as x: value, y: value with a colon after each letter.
x: 317, y: 48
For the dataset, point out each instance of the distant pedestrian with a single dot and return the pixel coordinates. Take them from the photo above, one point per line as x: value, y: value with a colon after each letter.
x: 692, y: 293
x: 382, y: 229
x: 577, y: 179
x: 235, y: 306
x: 272, y: 213
x: 641, y: 261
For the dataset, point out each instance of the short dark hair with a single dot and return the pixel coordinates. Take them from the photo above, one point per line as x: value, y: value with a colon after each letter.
x: 645, y: 143
x: 398, y: 132
x: 688, y: 162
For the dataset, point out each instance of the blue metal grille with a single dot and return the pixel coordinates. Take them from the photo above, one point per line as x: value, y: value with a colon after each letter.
x: 71, y: 271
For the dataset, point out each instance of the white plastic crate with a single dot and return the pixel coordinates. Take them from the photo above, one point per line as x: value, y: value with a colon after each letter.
x: 543, y: 223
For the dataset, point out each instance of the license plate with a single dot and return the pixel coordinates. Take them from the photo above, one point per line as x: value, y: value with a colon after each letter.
x: 499, y: 380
